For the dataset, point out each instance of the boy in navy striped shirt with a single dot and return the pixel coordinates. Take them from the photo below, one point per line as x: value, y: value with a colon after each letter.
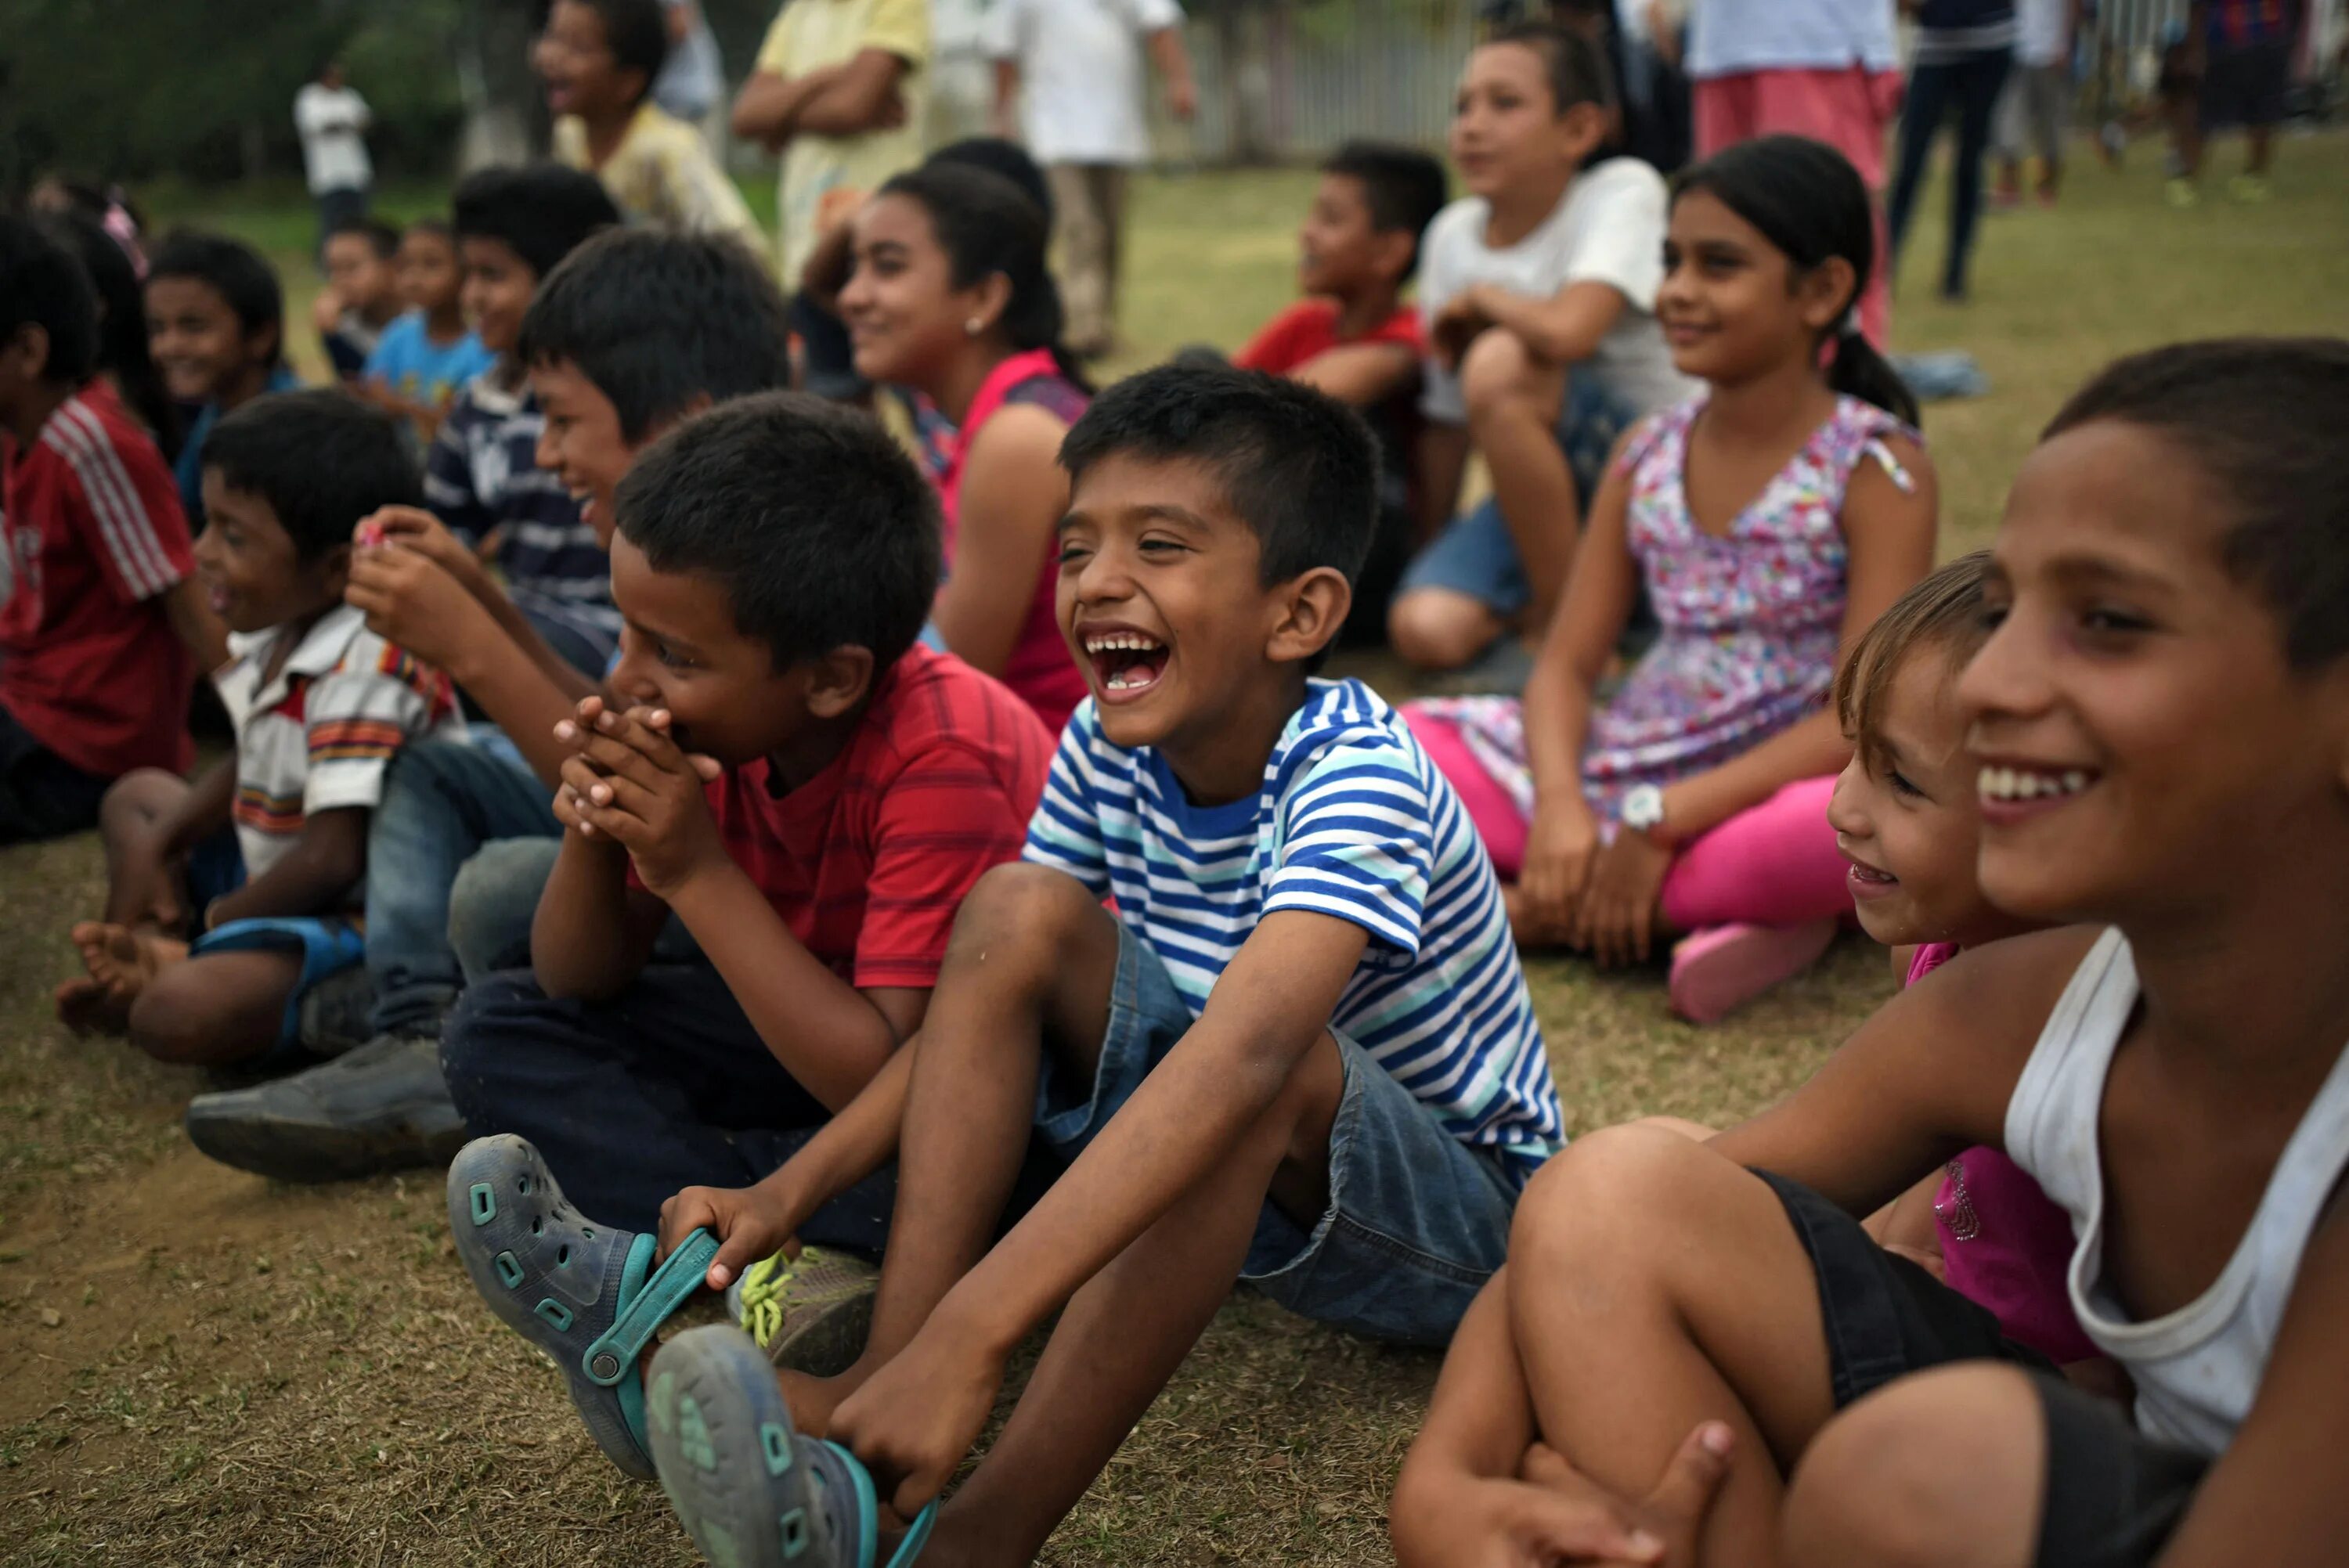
x: 1295, y: 1050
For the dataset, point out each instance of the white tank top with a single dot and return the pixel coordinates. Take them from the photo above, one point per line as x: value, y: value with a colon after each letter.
x: 2198, y: 1368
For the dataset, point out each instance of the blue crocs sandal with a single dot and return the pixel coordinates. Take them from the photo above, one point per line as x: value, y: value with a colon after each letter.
x: 588, y: 1296
x: 752, y: 1490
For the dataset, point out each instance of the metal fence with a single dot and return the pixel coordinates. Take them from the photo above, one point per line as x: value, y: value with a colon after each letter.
x: 1291, y: 80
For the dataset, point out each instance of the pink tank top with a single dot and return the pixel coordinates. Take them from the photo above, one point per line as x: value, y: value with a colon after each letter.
x: 2005, y: 1246
x: 1041, y: 670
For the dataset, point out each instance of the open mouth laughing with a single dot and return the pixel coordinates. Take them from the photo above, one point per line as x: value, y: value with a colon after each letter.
x: 2012, y: 793
x: 1125, y: 662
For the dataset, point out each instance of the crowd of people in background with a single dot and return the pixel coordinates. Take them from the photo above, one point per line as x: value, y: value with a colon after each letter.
x: 745, y: 750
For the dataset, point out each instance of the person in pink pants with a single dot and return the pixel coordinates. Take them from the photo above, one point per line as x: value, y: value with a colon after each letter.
x: 1771, y: 520
x: 1827, y: 69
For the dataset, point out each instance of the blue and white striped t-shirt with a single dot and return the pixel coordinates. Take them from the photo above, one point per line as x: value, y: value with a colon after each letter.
x: 1353, y: 821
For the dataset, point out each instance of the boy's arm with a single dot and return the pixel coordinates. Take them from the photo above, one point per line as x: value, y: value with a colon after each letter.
x: 1362, y: 374
x: 1930, y: 1074
x: 1174, y: 62
x: 593, y: 933
x: 311, y: 878
x: 1440, y: 457
x: 860, y: 95
x: 1565, y: 328
x: 768, y: 107
x: 2277, y: 1497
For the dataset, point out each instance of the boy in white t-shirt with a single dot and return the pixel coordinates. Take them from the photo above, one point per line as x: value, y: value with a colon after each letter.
x: 1074, y: 67
x: 1539, y: 295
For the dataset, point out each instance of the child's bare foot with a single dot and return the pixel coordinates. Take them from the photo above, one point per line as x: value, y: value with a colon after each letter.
x: 122, y: 961
x: 84, y: 1008
x: 814, y: 1399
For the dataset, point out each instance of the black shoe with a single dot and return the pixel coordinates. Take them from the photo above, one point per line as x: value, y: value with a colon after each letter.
x: 334, y: 1013
x: 382, y: 1107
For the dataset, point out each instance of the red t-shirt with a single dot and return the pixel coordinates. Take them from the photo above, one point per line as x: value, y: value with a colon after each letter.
x: 1309, y: 329
x: 867, y: 861
x: 91, y: 537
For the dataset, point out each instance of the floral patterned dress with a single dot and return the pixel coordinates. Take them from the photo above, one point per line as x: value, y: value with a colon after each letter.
x: 1750, y: 619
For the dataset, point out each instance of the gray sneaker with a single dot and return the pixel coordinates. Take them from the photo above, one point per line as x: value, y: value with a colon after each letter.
x: 382, y: 1107
x: 334, y: 1013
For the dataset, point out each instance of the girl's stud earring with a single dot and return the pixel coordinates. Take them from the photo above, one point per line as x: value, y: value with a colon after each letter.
x: 973, y: 327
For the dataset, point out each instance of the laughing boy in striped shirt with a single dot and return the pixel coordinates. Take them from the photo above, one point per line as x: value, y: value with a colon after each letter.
x: 1295, y: 1049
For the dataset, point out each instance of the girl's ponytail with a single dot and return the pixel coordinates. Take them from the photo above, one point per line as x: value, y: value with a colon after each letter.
x: 1856, y: 370
x: 1807, y: 199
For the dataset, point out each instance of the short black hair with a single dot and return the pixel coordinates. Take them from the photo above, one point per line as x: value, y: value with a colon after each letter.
x: 1403, y: 187
x: 2264, y: 418
x: 637, y: 32
x: 818, y: 525
x: 1301, y: 468
x: 657, y: 319
x: 541, y: 212
x: 381, y: 237
x: 235, y: 272
x: 1576, y: 70
x: 321, y: 459
x: 42, y: 284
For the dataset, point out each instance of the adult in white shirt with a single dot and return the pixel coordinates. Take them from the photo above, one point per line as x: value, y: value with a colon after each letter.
x: 332, y: 121
x: 2036, y: 106
x: 1827, y: 69
x: 1074, y: 67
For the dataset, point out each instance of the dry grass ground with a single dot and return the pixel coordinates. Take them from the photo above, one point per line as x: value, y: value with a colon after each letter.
x: 204, y: 1368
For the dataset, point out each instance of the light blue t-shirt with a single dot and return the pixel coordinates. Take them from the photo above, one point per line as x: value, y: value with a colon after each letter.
x: 1353, y: 821
x: 420, y: 370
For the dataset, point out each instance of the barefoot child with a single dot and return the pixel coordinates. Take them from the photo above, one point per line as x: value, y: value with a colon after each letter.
x: 2159, y: 726
x: 320, y: 704
x: 1772, y: 519
x: 1299, y: 1052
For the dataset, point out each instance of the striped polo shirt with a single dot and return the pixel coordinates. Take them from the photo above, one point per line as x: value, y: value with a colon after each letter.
x: 317, y: 736
x: 1355, y: 822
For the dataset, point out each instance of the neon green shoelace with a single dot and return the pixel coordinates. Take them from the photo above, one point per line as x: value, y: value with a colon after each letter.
x: 766, y: 1293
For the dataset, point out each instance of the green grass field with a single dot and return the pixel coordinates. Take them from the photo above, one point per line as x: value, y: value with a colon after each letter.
x: 206, y: 1368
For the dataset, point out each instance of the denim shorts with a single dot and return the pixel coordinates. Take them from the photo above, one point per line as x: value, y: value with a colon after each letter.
x: 2111, y: 1497
x: 1417, y: 1221
x: 1475, y: 555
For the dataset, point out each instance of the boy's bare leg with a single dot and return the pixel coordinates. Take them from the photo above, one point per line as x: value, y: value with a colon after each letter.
x: 1126, y: 1331
x: 1514, y: 401
x: 1655, y: 1286
x: 133, y: 808
x: 222, y: 1007
x: 1031, y: 967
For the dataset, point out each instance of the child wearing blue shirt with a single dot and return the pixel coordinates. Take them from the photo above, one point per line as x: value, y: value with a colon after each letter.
x: 424, y: 359
x: 1299, y: 1050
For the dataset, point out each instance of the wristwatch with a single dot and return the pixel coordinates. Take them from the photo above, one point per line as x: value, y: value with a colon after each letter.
x: 1643, y: 810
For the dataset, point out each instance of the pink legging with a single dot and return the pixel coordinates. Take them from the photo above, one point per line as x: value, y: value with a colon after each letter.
x: 1771, y: 864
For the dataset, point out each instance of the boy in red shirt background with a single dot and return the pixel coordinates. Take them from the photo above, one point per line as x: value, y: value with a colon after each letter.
x: 1355, y: 337
x: 101, y: 623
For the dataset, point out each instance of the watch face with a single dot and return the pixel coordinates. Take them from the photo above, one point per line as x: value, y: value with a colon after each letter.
x: 1643, y: 808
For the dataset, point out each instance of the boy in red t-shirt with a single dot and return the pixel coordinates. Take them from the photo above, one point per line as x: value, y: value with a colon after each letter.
x: 781, y: 768
x: 98, y: 605
x: 1355, y: 338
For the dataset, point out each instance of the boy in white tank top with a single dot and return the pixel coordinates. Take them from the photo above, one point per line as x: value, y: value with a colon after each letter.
x: 1695, y: 1355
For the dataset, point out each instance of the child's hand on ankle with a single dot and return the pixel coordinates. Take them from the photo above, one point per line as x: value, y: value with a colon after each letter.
x: 750, y: 1222
x: 1667, y: 1524
x: 630, y: 783
x: 915, y: 1419
x: 1618, y: 915
x: 1455, y: 326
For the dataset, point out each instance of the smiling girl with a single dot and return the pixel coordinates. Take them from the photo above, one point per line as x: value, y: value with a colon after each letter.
x: 1773, y: 518
x: 950, y: 299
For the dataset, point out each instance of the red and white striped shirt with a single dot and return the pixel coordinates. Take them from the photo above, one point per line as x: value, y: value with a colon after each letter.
x: 91, y: 537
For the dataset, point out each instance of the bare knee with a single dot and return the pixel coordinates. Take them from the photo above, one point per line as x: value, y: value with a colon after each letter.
x: 1613, y: 1187
x: 1501, y: 371
x: 177, y: 1018
x: 134, y: 800
x: 1023, y: 915
x: 1440, y: 628
x: 1941, y: 1470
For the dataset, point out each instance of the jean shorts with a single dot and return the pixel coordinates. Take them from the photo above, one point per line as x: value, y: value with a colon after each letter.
x: 1417, y: 1221
x: 1475, y: 555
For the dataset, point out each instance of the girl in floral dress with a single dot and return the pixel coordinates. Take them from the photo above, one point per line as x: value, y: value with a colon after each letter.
x: 1772, y: 519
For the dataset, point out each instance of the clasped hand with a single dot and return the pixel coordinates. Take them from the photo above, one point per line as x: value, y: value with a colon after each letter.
x: 629, y: 783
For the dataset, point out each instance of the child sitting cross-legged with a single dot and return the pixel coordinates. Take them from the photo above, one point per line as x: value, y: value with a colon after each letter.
x: 320, y: 704
x: 1298, y: 1049
x: 1700, y: 1343
x: 1772, y: 519
x: 809, y: 792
